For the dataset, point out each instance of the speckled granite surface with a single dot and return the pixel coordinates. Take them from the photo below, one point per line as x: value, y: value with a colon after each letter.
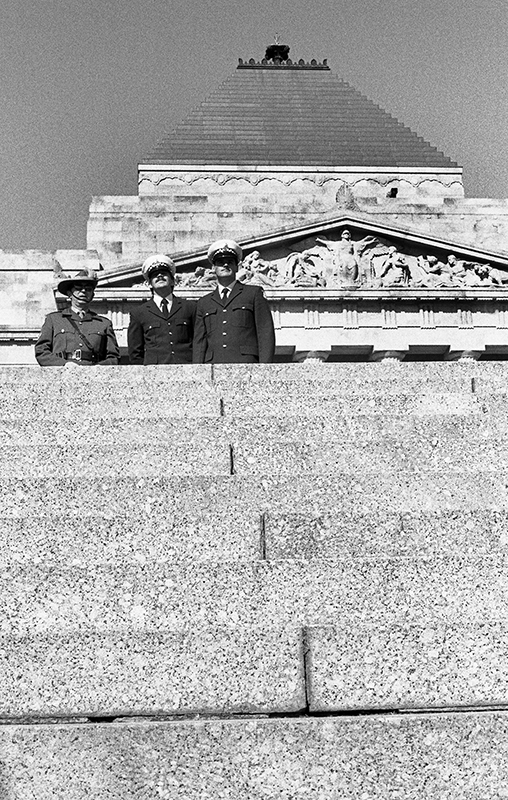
x: 150, y: 533
x: 145, y: 568
x: 457, y: 757
x: 342, y: 493
x: 386, y: 533
x: 161, y: 597
x: 208, y: 670
x: 422, y: 665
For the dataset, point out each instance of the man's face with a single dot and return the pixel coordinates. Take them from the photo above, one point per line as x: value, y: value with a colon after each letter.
x: 82, y: 292
x: 225, y: 266
x: 161, y: 280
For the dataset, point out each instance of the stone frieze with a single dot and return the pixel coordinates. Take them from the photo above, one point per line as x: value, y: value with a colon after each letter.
x: 369, y: 262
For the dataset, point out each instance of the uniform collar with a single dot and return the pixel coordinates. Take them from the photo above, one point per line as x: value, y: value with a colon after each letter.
x: 68, y: 312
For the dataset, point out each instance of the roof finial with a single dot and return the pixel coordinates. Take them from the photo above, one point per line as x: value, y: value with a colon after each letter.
x: 277, y: 52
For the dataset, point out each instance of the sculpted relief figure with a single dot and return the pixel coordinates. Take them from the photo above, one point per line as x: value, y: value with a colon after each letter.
x: 351, y: 262
x: 394, y: 269
x: 434, y: 274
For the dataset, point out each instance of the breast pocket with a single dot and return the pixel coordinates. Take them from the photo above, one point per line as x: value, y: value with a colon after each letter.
x: 152, y: 331
x: 95, y: 334
x: 243, y: 316
x: 210, y: 321
x: 182, y: 332
x: 64, y: 339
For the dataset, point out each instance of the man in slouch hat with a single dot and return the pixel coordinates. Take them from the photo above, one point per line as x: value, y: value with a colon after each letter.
x: 161, y: 330
x: 77, y: 336
x: 234, y: 323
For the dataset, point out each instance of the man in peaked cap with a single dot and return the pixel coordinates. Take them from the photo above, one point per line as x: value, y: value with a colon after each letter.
x: 77, y: 335
x: 234, y: 323
x: 161, y: 330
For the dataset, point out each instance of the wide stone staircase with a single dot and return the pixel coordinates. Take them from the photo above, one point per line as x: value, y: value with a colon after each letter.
x: 259, y: 582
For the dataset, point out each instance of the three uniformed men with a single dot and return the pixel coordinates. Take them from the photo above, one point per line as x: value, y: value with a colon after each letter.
x: 230, y: 325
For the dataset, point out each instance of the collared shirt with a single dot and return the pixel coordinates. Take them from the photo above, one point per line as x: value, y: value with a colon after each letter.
x: 228, y: 289
x: 157, y: 299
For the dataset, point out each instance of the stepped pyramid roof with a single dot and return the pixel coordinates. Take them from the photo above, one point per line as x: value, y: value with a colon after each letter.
x: 283, y: 113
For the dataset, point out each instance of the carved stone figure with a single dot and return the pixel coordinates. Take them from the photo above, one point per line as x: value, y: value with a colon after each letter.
x: 457, y: 270
x: 303, y: 271
x: 394, y: 269
x: 258, y: 272
x: 434, y: 273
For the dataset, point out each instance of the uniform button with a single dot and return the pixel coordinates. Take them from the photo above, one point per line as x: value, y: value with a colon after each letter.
x: 224, y: 310
x: 81, y: 344
x: 224, y: 345
x: 224, y: 321
x: 224, y: 333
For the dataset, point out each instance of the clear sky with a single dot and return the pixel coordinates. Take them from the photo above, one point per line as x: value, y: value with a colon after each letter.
x: 88, y: 87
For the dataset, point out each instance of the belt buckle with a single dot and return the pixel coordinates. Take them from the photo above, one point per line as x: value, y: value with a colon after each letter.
x: 76, y: 356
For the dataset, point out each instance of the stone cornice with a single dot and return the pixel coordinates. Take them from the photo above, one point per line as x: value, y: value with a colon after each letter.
x: 297, y: 294
x: 210, y: 168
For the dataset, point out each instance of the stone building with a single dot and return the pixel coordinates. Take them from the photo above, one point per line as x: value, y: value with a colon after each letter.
x: 358, y: 229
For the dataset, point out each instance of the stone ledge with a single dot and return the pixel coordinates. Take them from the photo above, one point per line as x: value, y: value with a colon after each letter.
x: 419, y: 757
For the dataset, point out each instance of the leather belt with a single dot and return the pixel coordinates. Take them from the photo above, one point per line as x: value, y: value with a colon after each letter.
x: 81, y: 355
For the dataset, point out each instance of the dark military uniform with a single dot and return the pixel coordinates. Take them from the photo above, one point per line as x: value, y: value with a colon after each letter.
x: 65, y: 336
x: 155, y: 339
x: 238, y: 330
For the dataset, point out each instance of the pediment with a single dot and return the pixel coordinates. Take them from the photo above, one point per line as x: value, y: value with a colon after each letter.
x: 347, y: 252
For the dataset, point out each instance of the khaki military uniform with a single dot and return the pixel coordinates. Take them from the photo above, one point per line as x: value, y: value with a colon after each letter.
x: 65, y: 336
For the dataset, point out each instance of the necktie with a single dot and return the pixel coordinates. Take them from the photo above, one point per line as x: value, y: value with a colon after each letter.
x: 164, y: 308
x: 225, y: 293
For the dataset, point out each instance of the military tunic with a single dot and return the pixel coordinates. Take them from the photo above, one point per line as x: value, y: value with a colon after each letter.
x: 86, y: 341
x: 155, y: 339
x: 238, y: 330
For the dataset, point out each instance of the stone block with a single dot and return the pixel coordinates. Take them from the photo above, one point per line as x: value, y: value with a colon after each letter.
x: 308, y: 401
x: 147, y: 534
x: 209, y: 670
x: 415, y: 757
x: 407, y: 666
x: 365, y: 444
x: 385, y: 533
x: 355, y: 378
x: 170, y: 376
x: 339, y: 494
x: 121, y: 447
x: 56, y: 599
x: 106, y: 400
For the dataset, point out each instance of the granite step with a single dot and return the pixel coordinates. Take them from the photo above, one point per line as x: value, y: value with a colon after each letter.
x: 190, y: 402
x: 58, y: 599
x: 385, y: 533
x: 54, y: 377
x: 268, y: 446
x: 206, y: 671
x: 339, y: 494
x: 424, y: 756
x: 423, y: 665
x: 306, y: 403
x: 107, y: 401
x: 379, y: 378
x: 213, y: 670
x: 200, y: 456
x: 145, y: 537
x: 141, y: 537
